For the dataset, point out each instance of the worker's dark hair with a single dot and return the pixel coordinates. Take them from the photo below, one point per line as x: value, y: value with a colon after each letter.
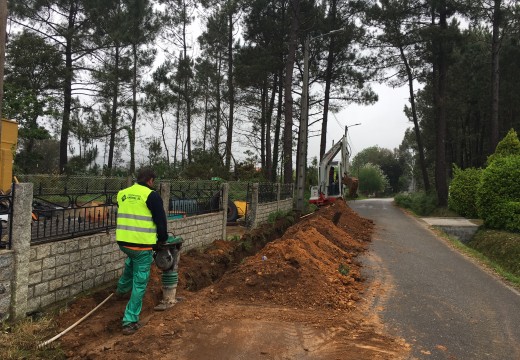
x: 145, y: 174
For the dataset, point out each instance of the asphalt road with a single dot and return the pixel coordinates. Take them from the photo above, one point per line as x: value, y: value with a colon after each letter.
x: 442, y: 304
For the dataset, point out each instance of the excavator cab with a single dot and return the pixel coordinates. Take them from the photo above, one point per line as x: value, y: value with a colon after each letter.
x: 333, y: 181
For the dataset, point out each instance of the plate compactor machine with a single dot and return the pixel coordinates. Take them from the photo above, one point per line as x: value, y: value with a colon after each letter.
x: 166, y: 258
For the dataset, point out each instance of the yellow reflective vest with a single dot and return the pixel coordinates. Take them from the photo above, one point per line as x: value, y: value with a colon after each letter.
x: 135, y: 225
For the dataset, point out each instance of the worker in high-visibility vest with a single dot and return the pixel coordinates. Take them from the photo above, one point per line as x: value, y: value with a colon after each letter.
x: 141, y: 224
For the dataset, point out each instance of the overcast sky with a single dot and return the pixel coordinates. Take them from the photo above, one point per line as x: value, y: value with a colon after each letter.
x: 382, y: 124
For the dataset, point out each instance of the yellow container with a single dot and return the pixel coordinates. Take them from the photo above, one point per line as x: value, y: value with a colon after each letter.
x: 7, y: 150
x: 241, y: 207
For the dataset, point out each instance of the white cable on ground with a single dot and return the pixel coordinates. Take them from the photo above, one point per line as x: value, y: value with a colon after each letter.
x: 75, y: 324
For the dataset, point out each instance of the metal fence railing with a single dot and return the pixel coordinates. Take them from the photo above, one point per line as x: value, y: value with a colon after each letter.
x: 68, y: 207
x: 267, y: 192
x: 194, y: 198
x: 6, y: 219
x: 286, y: 191
x: 71, y: 206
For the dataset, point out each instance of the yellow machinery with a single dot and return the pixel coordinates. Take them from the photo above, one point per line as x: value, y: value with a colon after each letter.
x: 7, y: 149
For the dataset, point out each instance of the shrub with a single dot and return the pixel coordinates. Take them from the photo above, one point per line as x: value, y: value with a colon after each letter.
x: 420, y: 203
x: 463, y: 188
x: 498, y: 194
x: 509, y: 145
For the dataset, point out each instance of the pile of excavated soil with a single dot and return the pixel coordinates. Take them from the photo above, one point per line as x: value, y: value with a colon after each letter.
x: 264, y: 297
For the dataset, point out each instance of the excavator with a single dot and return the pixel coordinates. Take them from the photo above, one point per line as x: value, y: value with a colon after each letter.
x: 333, y: 179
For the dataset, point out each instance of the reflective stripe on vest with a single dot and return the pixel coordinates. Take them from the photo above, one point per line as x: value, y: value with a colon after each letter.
x: 134, y: 220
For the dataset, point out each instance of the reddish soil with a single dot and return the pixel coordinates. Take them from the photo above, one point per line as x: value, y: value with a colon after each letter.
x: 282, y: 292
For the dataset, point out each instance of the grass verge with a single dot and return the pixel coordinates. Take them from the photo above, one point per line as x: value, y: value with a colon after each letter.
x: 21, y: 340
x: 495, y: 249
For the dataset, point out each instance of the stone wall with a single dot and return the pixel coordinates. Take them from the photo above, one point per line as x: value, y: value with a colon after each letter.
x: 34, y: 276
x: 61, y: 270
x: 198, y: 231
x: 6, y: 272
x: 265, y: 209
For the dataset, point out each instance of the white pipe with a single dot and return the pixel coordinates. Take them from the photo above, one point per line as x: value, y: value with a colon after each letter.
x: 75, y: 324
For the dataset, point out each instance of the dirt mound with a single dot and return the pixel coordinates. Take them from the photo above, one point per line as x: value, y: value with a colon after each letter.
x: 302, y: 269
x: 263, y: 297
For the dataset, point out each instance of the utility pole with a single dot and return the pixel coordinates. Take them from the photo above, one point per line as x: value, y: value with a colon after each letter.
x: 302, y: 134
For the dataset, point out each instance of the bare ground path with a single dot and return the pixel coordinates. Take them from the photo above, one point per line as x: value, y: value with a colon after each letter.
x: 300, y: 296
x: 444, y: 305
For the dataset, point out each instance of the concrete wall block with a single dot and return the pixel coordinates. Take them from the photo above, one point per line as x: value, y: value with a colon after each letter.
x: 68, y: 280
x: 75, y: 267
x: 62, y: 270
x: 85, y: 253
x: 55, y: 284
x: 79, y: 276
x: 84, y: 243
x: 5, y: 288
x: 106, y: 249
x: 57, y: 248
x: 96, y: 261
x: 95, y: 242
x: 109, y: 238
x: 62, y: 259
x: 72, y: 245
x: 98, y: 280
x: 100, y: 270
x: 6, y: 260
x: 48, y: 299
x: 62, y: 294
x: 5, y: 303
x: 35, y: 278
x: 34, y: 254
x: 90, y: 273
x: 30, y: 291
x: 96, y: 251
x: 48, y: 274
x: 75, y: 289
x: 41, y: 289
x: 86, y: 263
x: 35, y: 266
x: 88, y: 284
x: 33, y: 303
x: 49, y: 262
x: 75, y: 257
x: 105, y: 258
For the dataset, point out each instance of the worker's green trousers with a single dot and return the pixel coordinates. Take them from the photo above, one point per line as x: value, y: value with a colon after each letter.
x: 135, y: 278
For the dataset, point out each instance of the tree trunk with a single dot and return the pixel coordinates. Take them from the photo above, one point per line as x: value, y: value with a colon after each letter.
x: 418, y: 138
x: 218, y: 105
x: 113, y: 116
x: 277, y: 130
x: 177, y: 124
x: 263, y: 125
x: 495, y: 75
x: 441, y: 183
x: 328, y: 80
x: 269, y: 116
x: 231, y: 90
x: 163, y: 133
x: 134, y: 111
x: 288, y: 103
x: 67, y: 89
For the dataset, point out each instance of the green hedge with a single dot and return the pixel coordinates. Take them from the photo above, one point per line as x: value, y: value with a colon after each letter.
x: 463, y: 188
x: 420, y: 203
x: 498, y: 194
x: 501, y: 247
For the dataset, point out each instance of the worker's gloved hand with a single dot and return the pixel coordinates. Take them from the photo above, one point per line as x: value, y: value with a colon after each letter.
x: 158, y: 245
